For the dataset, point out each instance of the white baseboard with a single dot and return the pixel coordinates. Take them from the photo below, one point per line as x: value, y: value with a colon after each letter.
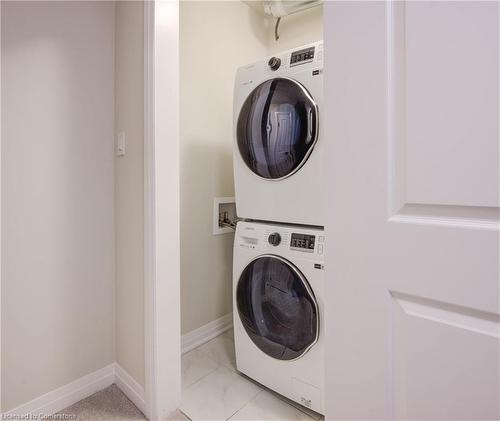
x: 66, y: 395
x: 205, y: 333
x: 133, y: 390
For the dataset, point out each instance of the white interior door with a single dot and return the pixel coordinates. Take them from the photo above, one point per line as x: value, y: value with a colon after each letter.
x: 413, y: 291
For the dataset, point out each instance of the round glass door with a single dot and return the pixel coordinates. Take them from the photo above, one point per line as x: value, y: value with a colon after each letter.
x: 277, y: 128
x: 277, y: 308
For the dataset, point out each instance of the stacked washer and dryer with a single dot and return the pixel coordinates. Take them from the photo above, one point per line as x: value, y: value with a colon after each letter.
x: 278, y: 274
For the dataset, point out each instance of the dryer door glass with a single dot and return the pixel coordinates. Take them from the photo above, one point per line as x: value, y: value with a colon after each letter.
x: 277, y: 308
x: 277, y: 128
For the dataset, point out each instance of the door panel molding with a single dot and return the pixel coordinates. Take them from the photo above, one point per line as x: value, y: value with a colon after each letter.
x: 445, y: 360
x: 476, y: 217
x: 400, y: 210
x: 477, y: 321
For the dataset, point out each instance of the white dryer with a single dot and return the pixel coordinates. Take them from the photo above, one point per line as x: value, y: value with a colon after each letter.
x: 278, y: 150
x: 278, y: 288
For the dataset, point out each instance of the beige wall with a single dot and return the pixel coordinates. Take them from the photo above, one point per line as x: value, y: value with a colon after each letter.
x: 216, y: 38
x: 57, y: 194
x: 129, y: 189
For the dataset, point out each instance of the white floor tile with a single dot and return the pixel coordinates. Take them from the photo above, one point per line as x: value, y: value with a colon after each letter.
x: 268, y: 407
x: 221, y: 350
x: 218, y: 395
x: 177, y: 416
x: 195, y: 366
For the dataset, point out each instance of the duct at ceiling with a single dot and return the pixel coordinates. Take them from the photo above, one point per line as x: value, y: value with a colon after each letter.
x: 281, y: 8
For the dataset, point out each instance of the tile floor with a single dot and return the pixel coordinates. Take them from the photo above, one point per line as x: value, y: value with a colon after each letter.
x: 212, y: 389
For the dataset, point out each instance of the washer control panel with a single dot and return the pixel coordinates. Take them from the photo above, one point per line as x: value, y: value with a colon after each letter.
x: 268, y: 238
x: 302, y: 242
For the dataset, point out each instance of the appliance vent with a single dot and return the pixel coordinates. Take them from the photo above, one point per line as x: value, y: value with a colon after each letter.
x: 281, y: 8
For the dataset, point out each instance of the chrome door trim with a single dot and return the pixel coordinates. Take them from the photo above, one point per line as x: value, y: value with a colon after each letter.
x: 306, y: 157
x: 308, y: 289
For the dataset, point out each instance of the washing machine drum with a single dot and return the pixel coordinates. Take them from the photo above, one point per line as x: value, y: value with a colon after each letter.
x: 277, y: 308
x: 277, y: 128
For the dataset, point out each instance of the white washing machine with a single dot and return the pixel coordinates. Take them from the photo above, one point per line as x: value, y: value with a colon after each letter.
x: 278, y: 150
x: 278, y: 285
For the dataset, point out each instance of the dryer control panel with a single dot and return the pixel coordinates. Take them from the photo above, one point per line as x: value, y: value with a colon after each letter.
x: 290, y: 63
x: 303, y: 56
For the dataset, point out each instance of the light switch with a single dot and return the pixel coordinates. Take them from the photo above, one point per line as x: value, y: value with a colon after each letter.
x: 120, y: 144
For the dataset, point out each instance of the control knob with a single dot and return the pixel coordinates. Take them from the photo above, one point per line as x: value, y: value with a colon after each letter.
x: 274, y: 239
x: 274, y: 63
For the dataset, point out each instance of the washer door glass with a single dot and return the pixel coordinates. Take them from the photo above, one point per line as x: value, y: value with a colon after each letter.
x: 277, y: 128
x: 277, y: 308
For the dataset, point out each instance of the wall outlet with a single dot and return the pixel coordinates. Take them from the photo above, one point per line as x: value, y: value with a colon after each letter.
x: 224, y: 209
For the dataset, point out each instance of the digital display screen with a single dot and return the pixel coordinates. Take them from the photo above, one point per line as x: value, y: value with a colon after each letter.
x: 303, y: 242
x: 299, y: 57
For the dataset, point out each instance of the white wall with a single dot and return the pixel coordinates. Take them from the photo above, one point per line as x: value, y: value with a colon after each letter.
x: 129, y: 188
x: 216, y: 38
x: 57, y: 194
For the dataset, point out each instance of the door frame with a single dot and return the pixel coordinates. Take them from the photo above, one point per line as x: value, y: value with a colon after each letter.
x: 161, y: 209
x: 1, y: 410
